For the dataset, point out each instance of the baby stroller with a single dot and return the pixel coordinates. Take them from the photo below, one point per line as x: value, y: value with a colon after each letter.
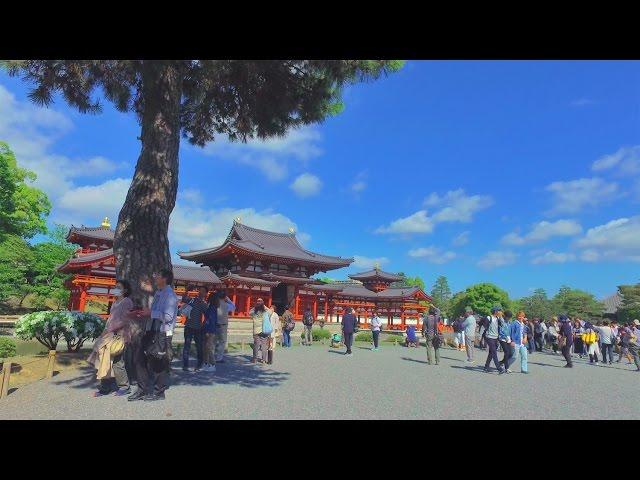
x: 336, y: 340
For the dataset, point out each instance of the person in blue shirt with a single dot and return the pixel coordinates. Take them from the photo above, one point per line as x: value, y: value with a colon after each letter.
x: 519, y: 337
x: 412, y: 339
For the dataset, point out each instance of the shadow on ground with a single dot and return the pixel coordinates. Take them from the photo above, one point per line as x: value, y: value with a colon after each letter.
x: 236, y: 370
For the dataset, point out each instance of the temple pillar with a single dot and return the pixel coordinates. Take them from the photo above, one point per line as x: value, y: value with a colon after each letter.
x: 247, y: 303
x: 326, y: 308
x: 402, y: 317
x: 234, y: 299
x: 315, y: 307
x: 83, y: 299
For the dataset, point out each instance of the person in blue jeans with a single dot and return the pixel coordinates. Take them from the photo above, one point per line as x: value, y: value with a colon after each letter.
x: 518, y: 334
x: 288, y: 325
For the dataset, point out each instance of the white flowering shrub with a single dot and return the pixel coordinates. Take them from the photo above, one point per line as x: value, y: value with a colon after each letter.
x: 49, y: 327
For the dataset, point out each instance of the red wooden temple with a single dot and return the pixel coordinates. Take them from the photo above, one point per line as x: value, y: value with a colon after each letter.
x: 256, y: 263
x: 252, y: 263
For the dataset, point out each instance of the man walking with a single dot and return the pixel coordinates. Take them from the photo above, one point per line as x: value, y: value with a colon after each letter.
x: 519, y: 341
x: 307, y: 321
x: 469, y: 327
x: 606, y: 339
x: 538, y: 333
x: 492, y: 326
x: 225, y: 307
x: 153, y: 373
x: 634, y: 343
x: 260, y: 338
x: 431, y: 335
x: 288, y: 324
x: 193, y: 330
x: 376, y: 325
x: 349, y: 322
x: 566, y: 333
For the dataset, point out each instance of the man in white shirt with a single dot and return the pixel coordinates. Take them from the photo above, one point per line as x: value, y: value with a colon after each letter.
x: 376, y: 325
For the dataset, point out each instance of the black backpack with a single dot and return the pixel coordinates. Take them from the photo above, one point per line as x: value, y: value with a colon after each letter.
x: 307, y: 319
x: 457, y: 326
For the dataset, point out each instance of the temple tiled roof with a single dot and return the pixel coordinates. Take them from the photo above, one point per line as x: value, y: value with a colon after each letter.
x: 264, y: 243
x: 376, y: 274
x: 612, y: 303
x: 189, y: 273
x: 186, y: 273
x: 83, y: 260
x: 241, y: 280
x: 100, y: 233
x: 359, y: 291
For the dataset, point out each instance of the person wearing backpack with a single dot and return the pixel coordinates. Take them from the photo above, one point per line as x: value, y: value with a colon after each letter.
x: 469, y: 326
x: 458, y: 329
x: 193, y: 330
x: 590, y: 339
x: 492, y: 332
x: 307, y: 321
x: 433, y: 338
x: 261, y: 331
x: 274, y: 318
x: 288, y: 324
x: 504, y: 337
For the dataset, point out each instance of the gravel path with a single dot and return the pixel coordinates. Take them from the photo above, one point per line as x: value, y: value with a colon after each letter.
x: 318, y: 382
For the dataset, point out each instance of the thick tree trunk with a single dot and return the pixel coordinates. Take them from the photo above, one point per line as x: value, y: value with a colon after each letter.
x: 141, y: 244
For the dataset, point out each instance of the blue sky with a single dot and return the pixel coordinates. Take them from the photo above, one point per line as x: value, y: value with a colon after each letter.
x: 525, y: 174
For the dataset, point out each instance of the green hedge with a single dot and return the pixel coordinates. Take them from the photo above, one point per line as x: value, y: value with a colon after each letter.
x: 318, y: 334
x: 7, y: 347
x: 364, y: 337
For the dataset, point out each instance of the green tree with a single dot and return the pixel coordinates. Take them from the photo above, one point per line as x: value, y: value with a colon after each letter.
x: 16, y: 268
x: 441, y: 294
x: 576, y: 302
x: 630, y: 308
x: 407, y: 281
x: 537, y: 305
x: 23, y: 207
x: 48, y: 283
x: 480, y: 297
x: 200, y: 99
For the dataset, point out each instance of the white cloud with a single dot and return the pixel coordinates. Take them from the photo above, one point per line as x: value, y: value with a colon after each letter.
x: 553, y: 257
x: 544, y: 230
x: 360, y: 261
x: 360, y: 183
x: 419, y: 222
x: 93, y: 202
x: 617, y: 240
x: 31, y: 133
x: 306, y: 185
x: 575, y: 195
x: 624, y: 162
x: 461, y: 239
x: 272, y: 156
x: 497, y: 258
x: 456, y: 206
x: 192, y: 227
x: 432, y: 254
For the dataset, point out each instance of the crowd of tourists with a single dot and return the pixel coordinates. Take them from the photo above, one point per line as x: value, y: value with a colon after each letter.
x: 520, y: 337
x: 136, y: 345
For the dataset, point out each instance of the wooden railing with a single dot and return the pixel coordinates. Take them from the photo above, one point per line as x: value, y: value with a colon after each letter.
x: 89, y: 279
x: 8, y: 320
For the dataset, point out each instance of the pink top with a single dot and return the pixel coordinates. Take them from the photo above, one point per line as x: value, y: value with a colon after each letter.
x: 118, y: 321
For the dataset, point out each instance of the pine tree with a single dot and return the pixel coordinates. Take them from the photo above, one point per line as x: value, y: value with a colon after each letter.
x: 202, y: 100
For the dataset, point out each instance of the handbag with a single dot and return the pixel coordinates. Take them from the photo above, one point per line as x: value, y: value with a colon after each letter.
x: 562, y: 341
x: 117, y: 345
x: 156, y: 347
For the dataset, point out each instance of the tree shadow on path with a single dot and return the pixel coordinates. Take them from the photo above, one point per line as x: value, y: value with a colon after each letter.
x: 236, y: 370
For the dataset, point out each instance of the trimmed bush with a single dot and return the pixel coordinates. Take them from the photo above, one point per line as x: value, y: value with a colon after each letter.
x: 317, y: 334
x: 7, y: 347
x: 364, y: 337
x: 49, y: 327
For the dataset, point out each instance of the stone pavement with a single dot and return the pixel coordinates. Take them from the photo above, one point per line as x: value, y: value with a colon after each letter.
x: 320, y: 383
